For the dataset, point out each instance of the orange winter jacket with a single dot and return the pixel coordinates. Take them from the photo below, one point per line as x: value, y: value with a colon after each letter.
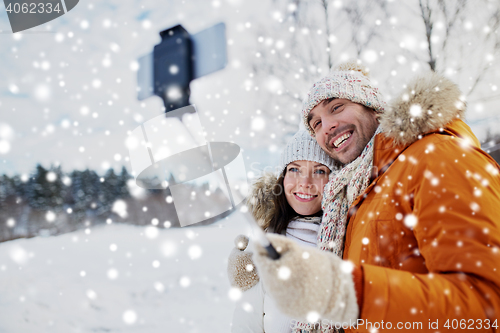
x: 426, y: 232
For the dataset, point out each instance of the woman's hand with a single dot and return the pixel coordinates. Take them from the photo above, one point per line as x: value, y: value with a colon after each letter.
x: 240, y: 268
x: 307, y: 283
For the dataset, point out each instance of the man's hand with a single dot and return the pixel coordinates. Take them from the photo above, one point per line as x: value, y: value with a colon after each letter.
x: 240, y: 268
x: 307, y: 283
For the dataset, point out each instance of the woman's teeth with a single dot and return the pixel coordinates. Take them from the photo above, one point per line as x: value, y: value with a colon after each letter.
x: 304, y: 196
x: 340, y: 140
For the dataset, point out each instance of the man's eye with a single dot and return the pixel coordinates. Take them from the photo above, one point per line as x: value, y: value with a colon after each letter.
x: 315, y: 124
x: 336, y: 107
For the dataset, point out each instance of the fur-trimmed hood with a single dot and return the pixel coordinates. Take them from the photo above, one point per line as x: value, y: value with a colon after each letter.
x: 260, y: 200
x: 429, y: 103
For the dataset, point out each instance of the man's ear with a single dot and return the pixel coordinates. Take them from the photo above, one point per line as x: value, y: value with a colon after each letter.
x: 375, y: 114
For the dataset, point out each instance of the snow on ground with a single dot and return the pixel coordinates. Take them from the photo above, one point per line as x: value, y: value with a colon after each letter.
x: 119, y: 278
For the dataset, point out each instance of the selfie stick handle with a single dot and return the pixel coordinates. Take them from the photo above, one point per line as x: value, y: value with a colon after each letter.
x: 261, y: 238
x: 258, y: 233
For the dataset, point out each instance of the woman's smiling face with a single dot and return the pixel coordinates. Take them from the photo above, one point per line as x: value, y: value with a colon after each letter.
x: 303, y: 185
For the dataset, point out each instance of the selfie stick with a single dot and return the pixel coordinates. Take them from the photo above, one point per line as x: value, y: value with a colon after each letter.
x: 258, y: 234
x: 178, y: 59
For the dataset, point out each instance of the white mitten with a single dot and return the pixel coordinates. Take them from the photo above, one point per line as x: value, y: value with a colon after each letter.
x: 307, y: 283
x: 240, y: 267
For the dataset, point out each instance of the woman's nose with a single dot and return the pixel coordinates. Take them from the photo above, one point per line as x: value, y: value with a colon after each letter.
x: 305, y: 181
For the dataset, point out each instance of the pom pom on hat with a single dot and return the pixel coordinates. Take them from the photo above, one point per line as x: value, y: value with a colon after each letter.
x: 352, y: 65
x: 349, y: 80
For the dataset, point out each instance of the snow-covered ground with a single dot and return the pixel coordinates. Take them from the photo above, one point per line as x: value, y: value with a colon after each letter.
x: 119, y: 278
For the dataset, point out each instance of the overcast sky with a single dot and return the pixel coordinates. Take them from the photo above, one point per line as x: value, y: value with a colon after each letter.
x: 67, y: 93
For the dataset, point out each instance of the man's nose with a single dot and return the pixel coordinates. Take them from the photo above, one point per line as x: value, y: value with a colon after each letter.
x: 329, y: 123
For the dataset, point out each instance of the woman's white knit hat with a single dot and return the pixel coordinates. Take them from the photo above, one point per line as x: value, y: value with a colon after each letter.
x: 302, y: 147
x: 347, y: 81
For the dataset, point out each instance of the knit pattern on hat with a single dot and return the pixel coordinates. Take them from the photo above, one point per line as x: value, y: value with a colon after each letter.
x: 302, y: 147
x: 347, y: 81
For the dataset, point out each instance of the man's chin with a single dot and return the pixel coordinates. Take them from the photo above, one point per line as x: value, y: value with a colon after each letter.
x: 343, y: 157
x: 345, y: 160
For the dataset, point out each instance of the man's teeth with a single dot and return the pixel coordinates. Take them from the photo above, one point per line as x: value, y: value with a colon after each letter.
x: 304, y: 196
x: 340, y: 140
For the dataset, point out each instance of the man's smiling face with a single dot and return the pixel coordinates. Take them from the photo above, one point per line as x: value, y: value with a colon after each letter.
x: 342, y: 128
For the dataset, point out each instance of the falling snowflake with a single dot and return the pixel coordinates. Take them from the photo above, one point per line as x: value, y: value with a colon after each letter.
x: 410, y: 221
x: 51, y: 176
x: 312, y: 317
x: 18, y: 254
x: 50, y: 216
x: 112, y: 274
x: 284, y: 273
x: 91, y: 294
x: 168, y: 248
x: 4, y: 146
x: 151, y: 232
x: 120, y: 208
x: 184, y: 282
x: 234, y: 294
x: 195, y: 252
x: 129, y: 317
x: 159, y: 287
x: 10, y: 222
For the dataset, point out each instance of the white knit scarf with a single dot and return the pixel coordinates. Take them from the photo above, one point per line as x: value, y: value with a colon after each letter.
x: 338, y: 195
x: 304, y: 230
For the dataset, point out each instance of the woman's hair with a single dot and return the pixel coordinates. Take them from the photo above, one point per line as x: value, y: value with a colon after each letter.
x: 283, y: 211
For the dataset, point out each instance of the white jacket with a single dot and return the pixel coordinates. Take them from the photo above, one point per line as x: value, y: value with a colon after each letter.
x: 256, y: 311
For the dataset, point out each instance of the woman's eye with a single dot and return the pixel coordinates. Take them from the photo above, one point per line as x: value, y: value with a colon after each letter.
x: 321, y: 172
x: 293, y: 170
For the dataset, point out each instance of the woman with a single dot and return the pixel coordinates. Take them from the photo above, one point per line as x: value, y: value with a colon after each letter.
x: 289, y: 205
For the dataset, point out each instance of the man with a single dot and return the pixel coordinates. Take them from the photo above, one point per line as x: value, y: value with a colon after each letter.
x: 414, y: 213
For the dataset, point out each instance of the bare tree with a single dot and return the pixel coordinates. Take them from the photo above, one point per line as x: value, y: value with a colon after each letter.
x: 426, y: 15
x: 451, y: 46
x: 306, y: 38
x: 492, y: 38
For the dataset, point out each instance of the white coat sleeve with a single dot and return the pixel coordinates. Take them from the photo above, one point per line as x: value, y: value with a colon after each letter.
x: 248, y: 315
